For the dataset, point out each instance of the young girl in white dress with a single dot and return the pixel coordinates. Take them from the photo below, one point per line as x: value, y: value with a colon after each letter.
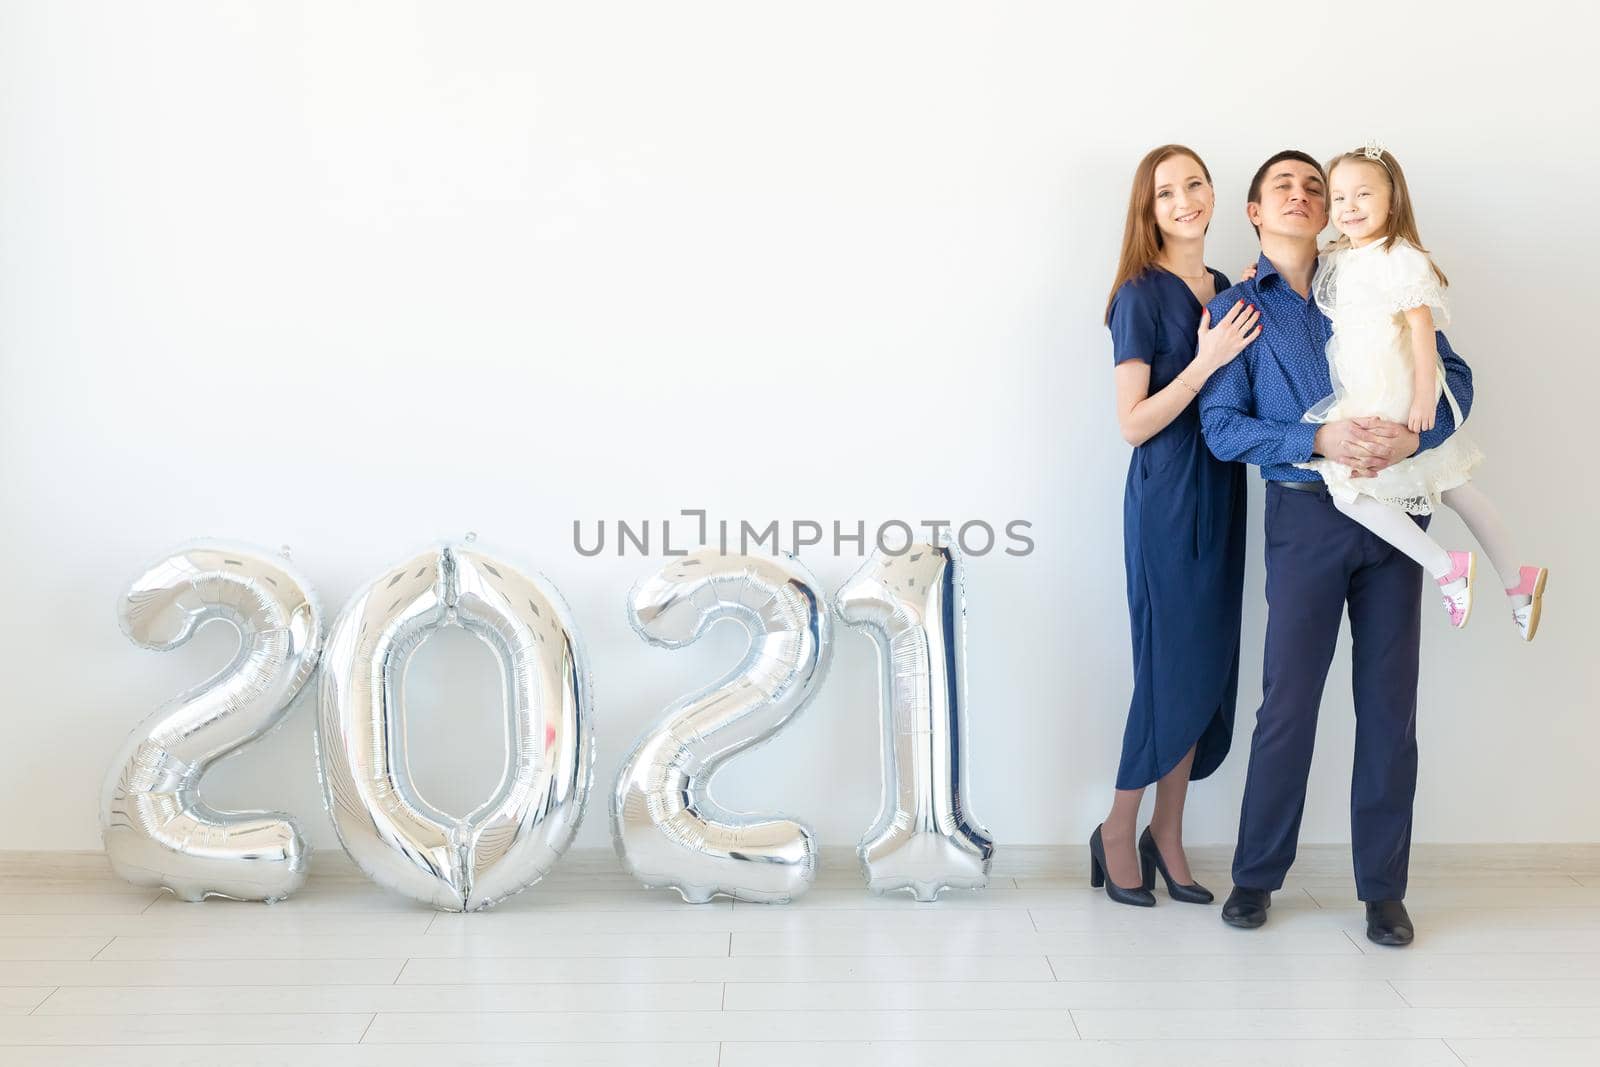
x: 1386, y: 299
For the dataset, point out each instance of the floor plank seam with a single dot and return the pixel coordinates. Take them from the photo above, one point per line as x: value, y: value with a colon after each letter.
x: 1402, y: 996
x: 41, y: 1003
x: 1453, y: 1052
x: 101, y: 949
x: 366, y: 1029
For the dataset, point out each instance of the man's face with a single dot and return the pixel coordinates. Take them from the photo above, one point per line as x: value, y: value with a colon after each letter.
x: 1293, y: 201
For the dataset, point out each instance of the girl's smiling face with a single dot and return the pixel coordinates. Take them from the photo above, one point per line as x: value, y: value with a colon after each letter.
x: 1183, y: 199
x: 1359, y: 198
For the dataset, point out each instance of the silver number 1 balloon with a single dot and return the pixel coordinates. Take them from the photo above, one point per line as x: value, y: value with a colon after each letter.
x: 664, y: 823
x: 913, y: 607
x: 393, y: 834
x: 157, y: 830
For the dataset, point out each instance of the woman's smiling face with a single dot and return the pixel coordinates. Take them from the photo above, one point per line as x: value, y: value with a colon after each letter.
x: 1183, y: 199
x: 1359, y: 197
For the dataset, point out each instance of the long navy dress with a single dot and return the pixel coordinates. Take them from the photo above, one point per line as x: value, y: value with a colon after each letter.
x: 1183, y: 529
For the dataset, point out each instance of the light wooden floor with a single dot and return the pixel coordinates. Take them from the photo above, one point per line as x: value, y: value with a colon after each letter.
x: 587, y: 968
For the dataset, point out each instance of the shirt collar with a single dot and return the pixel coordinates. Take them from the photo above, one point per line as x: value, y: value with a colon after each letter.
x: 1267, y: 274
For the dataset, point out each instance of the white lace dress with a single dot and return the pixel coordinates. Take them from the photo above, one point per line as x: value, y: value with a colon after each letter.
x: 1366, y: 292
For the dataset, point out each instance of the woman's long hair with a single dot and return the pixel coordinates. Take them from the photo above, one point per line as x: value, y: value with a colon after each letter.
x: 1402, y: 220
x: 1141, y: 237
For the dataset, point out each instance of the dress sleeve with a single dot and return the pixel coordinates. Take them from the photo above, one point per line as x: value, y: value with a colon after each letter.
x: 1135, y: 330
x: 1325, y: 284
x: 1412, y: 283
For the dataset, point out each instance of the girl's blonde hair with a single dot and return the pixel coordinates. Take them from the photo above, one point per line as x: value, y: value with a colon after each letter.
x: 1402, y: 220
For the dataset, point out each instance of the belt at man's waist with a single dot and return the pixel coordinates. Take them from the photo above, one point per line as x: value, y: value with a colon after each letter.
x: 1316, y: 486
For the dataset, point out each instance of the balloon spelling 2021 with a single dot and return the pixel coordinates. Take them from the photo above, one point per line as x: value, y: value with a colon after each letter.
x: 665, y: 826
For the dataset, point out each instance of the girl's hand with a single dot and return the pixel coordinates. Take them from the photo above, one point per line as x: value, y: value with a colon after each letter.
x: 1421, y: 417
x: 1218, y: 345
x: 1248, y: 273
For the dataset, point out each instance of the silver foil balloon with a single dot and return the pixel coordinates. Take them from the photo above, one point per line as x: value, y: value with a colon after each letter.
x: 393, y: 834
x: 664, y: 823
x: 914, y: 609
x: 157, y: 830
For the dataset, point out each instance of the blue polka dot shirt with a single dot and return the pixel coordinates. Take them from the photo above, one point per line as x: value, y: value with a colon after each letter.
x: 1251, y: 409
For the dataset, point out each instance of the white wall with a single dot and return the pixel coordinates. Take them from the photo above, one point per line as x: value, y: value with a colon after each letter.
x: 355, y: 276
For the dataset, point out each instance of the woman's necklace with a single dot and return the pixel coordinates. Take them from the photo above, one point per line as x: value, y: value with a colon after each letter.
x: 1189, y: 277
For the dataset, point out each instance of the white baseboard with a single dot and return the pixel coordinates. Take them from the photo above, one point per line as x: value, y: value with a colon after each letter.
x: 1009, y: 861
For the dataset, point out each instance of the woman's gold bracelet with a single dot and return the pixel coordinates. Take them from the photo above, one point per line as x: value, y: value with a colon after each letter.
x: 1186, y: 385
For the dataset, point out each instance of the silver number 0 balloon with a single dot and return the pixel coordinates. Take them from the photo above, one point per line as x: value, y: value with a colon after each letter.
x: 393, y: 834
x: 156, y: 829
x: 667, y: 829
x: 913, y: 607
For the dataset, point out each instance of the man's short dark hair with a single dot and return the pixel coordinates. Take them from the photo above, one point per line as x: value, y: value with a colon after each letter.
x: 1266, y: 168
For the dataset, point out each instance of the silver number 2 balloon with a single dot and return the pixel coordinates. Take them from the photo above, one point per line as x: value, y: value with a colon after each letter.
x: 664, y: 823
x: 156, y: 829
x: 393, y: 834
x: 913, y: 607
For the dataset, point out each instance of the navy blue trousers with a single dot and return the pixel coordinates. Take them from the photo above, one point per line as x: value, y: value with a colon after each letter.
x: 1318, y: 561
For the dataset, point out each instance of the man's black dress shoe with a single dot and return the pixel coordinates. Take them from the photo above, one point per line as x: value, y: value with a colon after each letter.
x: 1388, y: 923
x: 1246, y: 908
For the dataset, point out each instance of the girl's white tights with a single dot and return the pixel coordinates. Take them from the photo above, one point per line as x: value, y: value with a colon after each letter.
x: 1468, y: 501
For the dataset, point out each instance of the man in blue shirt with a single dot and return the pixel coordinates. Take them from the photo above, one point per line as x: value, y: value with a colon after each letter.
x: 1318, y: 561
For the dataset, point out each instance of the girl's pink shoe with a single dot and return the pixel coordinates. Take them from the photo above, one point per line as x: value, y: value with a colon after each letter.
x: 1526, y: 616
x: 1458, y: 601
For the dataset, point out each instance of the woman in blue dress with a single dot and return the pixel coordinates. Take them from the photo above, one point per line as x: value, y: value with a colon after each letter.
x: 1183, y: 516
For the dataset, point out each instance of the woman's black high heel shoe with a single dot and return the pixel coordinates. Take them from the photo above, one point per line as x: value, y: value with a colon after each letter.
x: 1139, y: 896
x: 1150, y: 862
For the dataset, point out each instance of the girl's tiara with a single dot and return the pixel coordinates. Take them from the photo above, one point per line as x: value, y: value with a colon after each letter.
x: 1374, y: 150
